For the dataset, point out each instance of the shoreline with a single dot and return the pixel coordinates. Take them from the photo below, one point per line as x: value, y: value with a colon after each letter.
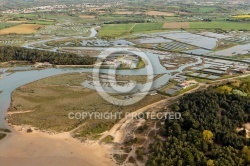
x: 43, y: 148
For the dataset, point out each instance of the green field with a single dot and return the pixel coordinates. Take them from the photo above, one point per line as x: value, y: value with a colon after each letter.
x: 224, y: 25
x: 25, y: 16
x: 113, y: 30
x: 116, y: 30
x: 4, y: 25
x: 147, y: 27
x: 42, y: 22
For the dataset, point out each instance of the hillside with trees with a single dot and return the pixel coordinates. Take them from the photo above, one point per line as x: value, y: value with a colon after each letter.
x: 213, y: 130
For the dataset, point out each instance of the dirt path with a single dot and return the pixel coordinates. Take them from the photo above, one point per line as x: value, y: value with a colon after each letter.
x: 123, y: 122
x: 19, y: 112
x: 132, y: 27
x: 116, y: 130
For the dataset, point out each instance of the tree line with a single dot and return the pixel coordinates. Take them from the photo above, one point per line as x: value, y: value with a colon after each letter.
x: 10, y: 53
x: 127, y: 21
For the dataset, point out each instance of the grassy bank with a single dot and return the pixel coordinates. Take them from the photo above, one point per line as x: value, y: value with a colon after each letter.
x: 48, y: 102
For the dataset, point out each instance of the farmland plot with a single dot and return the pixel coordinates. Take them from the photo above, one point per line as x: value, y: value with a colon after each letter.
x: 21, y: 29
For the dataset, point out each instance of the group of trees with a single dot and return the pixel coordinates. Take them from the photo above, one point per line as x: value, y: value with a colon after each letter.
x: 9, y: 53
x: 236, y: 87
x: 211, y: 131
x: 127, y: 21
x: 237, y: 19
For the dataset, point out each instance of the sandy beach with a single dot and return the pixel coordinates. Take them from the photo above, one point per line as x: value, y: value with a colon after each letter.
x: 42, y: 149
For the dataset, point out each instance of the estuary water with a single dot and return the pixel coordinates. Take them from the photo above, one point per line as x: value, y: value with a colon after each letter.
x: 9, y: 82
